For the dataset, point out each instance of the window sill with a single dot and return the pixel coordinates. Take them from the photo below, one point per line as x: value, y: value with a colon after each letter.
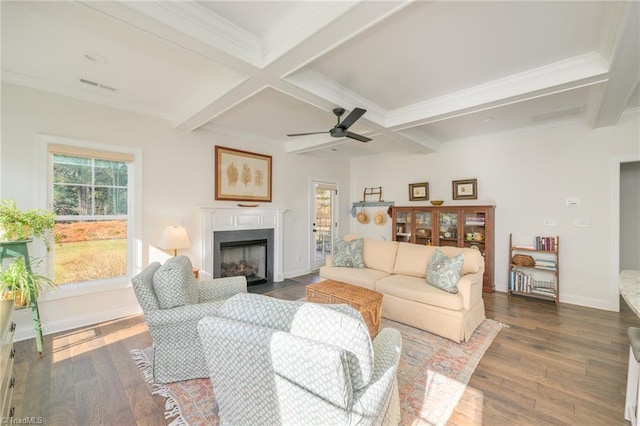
x: 66, y: 291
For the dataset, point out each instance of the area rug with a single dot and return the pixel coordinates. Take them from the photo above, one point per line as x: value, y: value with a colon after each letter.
x: 432, y: 375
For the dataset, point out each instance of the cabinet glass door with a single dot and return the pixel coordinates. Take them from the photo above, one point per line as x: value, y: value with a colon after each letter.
x: 403, y: 226
x: 448, y: 229
x: 423, y: 228
x: 474, y: 230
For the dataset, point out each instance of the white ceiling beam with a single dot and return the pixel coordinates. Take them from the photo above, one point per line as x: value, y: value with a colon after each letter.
x: 621, y: 44
x: 352, y: 22
x: 573, y: 72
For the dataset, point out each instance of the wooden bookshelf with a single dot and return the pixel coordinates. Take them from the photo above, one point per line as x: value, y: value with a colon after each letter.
x: 540, y: 280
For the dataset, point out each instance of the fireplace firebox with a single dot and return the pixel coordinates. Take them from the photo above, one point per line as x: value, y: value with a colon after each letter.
x: 247, y: 253
x: 244, y: 258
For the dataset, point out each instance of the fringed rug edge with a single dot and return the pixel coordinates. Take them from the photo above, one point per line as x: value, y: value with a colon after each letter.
x: 172, y: 409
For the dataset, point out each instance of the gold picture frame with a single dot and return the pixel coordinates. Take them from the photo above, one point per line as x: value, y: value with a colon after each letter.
x: 242, y: 175
x: 466, y: 189
x: 419, y: 191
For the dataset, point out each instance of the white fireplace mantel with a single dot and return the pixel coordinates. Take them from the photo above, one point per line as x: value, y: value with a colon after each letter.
x: 230, y: 218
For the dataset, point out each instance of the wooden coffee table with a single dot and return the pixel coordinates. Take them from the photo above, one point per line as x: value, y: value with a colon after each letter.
x: 365, y: 301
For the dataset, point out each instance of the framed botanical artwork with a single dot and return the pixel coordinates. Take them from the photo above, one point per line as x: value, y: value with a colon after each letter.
x: 419, y: 191
x: 465, y: 189
x: 242, y: 175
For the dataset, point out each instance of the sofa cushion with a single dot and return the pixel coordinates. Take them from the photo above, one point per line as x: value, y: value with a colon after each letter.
x: 415, y: 289
x: 174, y: 283
x: 361, y: 277
x: 473, y: 260
x: 413, y: 259
x: 443, y: 272
x: 348, y: 253
x: 380, y: 255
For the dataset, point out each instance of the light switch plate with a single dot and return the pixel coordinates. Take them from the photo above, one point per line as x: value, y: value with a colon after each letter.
x: 573, y: 202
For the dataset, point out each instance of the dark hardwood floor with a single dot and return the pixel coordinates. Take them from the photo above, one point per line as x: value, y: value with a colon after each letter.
x: 547, y: 367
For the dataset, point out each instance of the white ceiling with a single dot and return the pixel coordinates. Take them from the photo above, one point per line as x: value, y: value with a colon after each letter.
x: 426, y: 72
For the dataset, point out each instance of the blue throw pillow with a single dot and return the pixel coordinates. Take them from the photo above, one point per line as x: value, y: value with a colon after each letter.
x: 444, y: 272
x: 348, y: 253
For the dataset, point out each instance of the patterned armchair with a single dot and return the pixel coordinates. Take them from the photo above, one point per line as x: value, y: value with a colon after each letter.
x: 279, y: 362
x: 173, y: 302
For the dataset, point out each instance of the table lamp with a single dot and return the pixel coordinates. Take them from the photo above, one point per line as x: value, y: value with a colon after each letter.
x: 174, y: 238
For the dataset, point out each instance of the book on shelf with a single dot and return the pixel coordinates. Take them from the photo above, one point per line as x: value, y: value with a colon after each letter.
x: 546, y: 243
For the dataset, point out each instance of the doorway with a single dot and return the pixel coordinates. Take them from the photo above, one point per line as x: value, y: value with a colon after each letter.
x: 324, y: 221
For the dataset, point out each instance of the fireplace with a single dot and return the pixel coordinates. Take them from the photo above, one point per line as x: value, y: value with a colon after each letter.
x: 244, y: 253
x: 218, y: 226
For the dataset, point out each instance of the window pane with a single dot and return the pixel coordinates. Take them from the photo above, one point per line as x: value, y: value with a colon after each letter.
x: 72, y: 199
x: 71, y: 169
x: 110, y: 201
x: 111, y: 173
x: 90, y: 250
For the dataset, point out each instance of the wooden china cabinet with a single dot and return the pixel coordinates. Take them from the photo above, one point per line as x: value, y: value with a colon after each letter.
x: 454, y: 226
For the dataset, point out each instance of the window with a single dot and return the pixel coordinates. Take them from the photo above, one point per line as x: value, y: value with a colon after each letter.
x: 91, y: 192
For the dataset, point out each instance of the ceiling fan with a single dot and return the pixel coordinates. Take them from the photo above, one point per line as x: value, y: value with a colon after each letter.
x: 340, y: 129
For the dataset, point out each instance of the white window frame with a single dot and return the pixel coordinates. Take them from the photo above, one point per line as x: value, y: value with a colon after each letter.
x: 44, y: 176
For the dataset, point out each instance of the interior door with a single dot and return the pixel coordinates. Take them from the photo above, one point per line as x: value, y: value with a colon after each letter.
x: 324, y: 222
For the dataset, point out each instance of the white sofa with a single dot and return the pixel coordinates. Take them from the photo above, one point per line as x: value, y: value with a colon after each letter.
x: 398, y: 270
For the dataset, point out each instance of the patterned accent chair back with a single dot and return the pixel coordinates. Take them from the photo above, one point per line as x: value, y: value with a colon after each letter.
x: 173, y: 303
x: 143, y: 287
x: 275, y: 361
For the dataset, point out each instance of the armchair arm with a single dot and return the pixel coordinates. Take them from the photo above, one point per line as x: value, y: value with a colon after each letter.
x: 369, y: 402
x: 221, y: 288
x: 182, y: 314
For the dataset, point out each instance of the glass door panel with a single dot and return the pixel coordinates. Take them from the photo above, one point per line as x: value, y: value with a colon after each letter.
x: 403, y: 226
x: 448, y: 229
x: 423, y: 228
x: 474, y: 230
x: 323, y: 225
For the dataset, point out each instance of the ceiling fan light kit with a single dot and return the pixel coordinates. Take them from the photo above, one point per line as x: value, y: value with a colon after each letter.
x: 340, y: 130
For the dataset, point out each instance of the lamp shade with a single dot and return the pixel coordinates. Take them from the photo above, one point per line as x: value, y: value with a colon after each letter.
x: 174, y: 238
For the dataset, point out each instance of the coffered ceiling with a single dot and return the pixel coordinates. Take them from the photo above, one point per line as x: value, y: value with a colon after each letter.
x: 426, y: 72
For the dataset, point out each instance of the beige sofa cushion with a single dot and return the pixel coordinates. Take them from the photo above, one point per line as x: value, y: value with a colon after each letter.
x: 361, y: 277
x: 378, y: 254
x: 416, y: 289
x: 413, y: 259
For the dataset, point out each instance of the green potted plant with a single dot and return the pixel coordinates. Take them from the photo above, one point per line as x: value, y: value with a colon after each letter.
x: 19, y: 283
x: 16, y: 224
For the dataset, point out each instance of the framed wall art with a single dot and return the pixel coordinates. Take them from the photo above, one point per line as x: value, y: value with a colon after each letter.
x: 419, y: 191
x: 465, y: 189
x: 242, y: 175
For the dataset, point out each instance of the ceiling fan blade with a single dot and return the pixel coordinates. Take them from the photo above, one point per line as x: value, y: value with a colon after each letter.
x: 358, y: 137
x: 352, y: 118
x: 306, y: 134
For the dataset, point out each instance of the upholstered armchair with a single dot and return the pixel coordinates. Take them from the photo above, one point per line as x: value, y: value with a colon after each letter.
x: 284, y: 362
x: 173, y: 303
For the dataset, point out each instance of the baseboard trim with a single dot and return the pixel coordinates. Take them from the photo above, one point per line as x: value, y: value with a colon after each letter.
x: 25, y: 329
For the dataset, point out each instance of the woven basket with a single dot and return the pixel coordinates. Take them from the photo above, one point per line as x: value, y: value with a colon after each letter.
x: 523, y: 260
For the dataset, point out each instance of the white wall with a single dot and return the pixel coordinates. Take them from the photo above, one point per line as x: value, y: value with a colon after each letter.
x: 178, y: 177
x: 529, y: 176
x: 630, y: 215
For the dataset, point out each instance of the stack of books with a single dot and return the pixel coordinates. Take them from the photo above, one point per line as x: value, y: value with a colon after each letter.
x: 549, y: 264
x: 474, y: 221
x: 545, y: 291
x: 546, y: 243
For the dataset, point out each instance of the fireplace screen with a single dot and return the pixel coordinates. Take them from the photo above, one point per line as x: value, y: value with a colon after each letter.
x: 244, y: 258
